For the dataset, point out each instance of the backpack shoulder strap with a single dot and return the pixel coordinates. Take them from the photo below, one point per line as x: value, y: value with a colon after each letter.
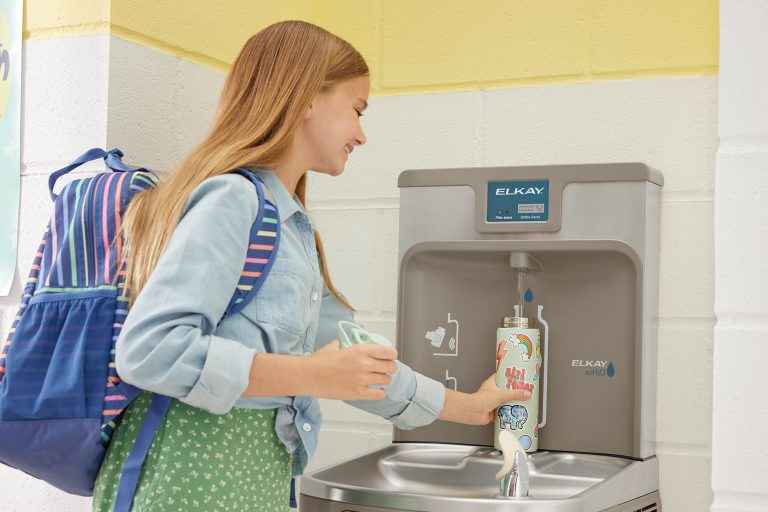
x: 112, y: 160
x: 262, y: 247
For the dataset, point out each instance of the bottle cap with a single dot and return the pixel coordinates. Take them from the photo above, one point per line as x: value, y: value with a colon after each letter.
x: 514, y: 321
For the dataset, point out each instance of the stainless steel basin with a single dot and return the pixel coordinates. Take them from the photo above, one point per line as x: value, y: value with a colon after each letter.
x: 426, y: 477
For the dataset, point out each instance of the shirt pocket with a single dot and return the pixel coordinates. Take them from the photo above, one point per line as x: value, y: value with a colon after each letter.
x: 284, y: 298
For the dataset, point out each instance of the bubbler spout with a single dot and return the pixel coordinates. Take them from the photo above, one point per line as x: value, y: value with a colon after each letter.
x: 514, y: 474
x: 516, y: 483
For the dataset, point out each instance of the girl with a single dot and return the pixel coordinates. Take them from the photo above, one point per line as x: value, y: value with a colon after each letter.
x: 245, y: 415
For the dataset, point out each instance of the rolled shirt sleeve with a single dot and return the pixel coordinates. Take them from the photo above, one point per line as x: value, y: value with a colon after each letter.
x: 413, y: 400
x: 167, y: 344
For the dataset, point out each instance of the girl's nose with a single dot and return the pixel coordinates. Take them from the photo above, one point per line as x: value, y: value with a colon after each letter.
x: 361, y: 138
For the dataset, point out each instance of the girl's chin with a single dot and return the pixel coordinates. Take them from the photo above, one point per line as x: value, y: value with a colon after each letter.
x: 331, y: 171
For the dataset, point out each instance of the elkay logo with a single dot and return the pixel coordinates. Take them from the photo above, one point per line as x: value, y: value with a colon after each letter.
x: 595, y: 368
x: 519, y: 191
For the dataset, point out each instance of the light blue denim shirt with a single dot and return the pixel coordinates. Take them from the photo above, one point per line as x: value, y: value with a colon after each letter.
x: 171, y: 343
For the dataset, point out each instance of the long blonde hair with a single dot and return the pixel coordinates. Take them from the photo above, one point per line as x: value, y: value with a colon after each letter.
x: 271, y: 84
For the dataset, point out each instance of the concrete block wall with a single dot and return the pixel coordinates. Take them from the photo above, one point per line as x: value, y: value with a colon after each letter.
x: 64, y: 111
x: 579, y: 123
x: 739, y: 450
x: 570, y: 82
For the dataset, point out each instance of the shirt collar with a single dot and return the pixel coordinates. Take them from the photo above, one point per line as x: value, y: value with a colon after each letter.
x: 286, y: 205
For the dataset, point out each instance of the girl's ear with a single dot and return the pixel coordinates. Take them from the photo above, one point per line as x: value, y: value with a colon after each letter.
x: 309, y: 111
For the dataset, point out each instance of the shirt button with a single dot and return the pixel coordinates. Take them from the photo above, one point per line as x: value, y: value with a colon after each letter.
x: 307, y: 427
x: 314, y: 296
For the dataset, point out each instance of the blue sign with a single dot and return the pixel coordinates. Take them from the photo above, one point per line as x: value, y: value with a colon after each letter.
x: 518, y: 201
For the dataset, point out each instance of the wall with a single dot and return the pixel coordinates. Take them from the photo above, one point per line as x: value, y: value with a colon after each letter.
x: 468, y: 84
x: 65, y: 61
x: 739, y: 451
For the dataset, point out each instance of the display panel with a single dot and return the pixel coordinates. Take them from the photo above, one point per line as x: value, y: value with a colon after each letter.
x: 518, y: 201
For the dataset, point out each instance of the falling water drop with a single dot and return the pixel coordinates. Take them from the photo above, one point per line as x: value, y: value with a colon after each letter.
x: 611, y: 371
x: 528, y: 295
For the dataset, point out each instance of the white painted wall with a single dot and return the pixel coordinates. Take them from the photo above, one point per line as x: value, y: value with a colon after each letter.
x: 64, y: 112
x: 739, y: 448
x: 156, y: 107
x: 669, y: 124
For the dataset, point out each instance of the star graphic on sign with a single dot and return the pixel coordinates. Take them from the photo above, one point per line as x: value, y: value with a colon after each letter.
x: 9, y: 148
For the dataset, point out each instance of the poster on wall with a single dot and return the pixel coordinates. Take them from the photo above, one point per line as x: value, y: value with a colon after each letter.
x: 10, y: 137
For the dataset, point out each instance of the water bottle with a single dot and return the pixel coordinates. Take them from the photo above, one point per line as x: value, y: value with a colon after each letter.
x: 518, y: 366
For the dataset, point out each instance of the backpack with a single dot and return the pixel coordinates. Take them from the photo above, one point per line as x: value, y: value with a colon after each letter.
x: 60, y: 396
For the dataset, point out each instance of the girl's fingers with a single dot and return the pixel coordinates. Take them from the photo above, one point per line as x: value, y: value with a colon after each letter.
x: 523, y: 394
x: 382, y: 366
x: 378, y: 379
x: 513, y: 394
x: 356, y: 369
x: 377, y: 351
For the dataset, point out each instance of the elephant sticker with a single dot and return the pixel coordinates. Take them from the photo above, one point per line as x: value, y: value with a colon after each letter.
x: 512, y: 417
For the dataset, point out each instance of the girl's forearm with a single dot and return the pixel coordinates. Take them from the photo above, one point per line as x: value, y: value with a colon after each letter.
x: 455, y: 406
x: 355, y: 373
x: 278, y: 375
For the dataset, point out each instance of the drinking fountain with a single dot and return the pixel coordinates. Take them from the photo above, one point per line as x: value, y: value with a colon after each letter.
x: 590, y: 232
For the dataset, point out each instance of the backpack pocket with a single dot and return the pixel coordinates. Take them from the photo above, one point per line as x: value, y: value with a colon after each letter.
x: 52, y: 395
x: 58, y: 360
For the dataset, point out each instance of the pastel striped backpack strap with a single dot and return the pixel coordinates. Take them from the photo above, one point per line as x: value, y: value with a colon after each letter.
x: 262, y: 247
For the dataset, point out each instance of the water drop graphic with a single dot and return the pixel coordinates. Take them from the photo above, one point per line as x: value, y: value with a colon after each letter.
x: 611, y: 371
x: 528, y: 295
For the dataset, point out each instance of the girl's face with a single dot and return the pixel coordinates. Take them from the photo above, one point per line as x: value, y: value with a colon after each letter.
x: 332, y: 129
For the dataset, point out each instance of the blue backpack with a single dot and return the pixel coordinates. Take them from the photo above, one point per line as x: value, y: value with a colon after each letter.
x: 60, y: 396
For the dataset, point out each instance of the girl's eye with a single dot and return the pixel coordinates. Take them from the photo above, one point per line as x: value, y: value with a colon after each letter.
x: 359, y: 114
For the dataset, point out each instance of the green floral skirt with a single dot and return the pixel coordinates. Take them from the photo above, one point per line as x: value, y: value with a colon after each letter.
x: 200, y: 461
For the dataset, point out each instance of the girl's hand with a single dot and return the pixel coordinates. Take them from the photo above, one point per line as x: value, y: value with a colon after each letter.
x: 478, y: 408
x: 347, y: 374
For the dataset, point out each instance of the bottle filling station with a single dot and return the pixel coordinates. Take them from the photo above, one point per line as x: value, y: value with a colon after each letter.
x: 574, y: 249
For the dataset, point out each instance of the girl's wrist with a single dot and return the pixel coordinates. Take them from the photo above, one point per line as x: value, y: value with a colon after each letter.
x: 305, y: 373
x: 455, y: 404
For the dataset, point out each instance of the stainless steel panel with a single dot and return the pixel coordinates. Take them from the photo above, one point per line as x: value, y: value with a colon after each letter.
x: 455, y: 478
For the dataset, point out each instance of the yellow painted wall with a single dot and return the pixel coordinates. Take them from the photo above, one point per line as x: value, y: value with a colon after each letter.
x: 426, y: 45
x: 56, y: 18
x: 209, y: 32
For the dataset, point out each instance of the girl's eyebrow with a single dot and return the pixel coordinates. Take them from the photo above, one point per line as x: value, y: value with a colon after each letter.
x: 365, y: 103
